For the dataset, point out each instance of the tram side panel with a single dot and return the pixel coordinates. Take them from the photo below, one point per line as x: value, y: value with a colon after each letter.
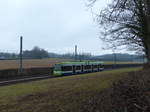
x: 76, y: 69
x: 67, y: 70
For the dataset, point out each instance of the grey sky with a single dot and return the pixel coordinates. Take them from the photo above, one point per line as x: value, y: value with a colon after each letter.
x: 55, y: 25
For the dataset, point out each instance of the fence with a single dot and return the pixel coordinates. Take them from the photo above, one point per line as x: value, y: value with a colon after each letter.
x: 14, y: 73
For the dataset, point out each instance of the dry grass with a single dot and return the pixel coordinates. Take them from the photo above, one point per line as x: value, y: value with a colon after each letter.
x: 121, y: 62
x: 65, y: 94
x: 130, y: 94
x: 13, y: 64
x: 34, y: 63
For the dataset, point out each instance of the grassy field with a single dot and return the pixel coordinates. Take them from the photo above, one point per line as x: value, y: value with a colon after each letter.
x: 66, y: 94
x: 119, y: 62
x: 13, y: 64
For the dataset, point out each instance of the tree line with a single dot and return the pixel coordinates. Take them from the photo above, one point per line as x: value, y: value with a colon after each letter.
x: 35, y: 53
x: 39, y: 53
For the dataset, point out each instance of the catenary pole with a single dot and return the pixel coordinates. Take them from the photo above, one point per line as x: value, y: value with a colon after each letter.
x: 21, y: 51
x: 75, y: 52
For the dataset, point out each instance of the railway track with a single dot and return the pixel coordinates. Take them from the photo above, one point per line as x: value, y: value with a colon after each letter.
x: 27, y: 79
x: 34, y: 78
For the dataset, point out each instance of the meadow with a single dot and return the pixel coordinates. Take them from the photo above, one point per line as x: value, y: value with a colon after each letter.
x: 37, y: 63
x: 30, y: 63
x: 65, y: 94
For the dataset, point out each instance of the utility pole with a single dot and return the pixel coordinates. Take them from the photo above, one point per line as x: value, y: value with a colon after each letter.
x: 76, y: 53
x: 115, y: 58
x: 21, y: 62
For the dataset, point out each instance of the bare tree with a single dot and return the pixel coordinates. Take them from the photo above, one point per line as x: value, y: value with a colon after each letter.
x: 127, y: 23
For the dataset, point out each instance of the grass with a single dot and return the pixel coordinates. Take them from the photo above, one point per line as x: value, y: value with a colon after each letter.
x: 30, y: 63
x: 35, y: 63
x: 59, y: 94
x: 121, y: 62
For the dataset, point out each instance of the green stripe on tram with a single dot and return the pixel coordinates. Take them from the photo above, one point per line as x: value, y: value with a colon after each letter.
x: 82, y: 63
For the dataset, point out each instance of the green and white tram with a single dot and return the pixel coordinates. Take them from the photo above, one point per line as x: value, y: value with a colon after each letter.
x: 69, y: 68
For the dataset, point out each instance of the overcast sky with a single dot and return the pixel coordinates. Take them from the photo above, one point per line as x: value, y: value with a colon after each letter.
x: 55, y: 25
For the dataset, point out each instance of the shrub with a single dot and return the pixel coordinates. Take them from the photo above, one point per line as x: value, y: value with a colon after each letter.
x: 131, y: 94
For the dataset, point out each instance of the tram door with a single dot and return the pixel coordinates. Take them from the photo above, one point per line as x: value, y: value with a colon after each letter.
x: 92, y: 68
x: 74, y: 69
x: 82, y: 68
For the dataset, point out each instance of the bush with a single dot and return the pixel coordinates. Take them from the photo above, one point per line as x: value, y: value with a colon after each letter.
x: 132, y: 93
x: 127, y: 95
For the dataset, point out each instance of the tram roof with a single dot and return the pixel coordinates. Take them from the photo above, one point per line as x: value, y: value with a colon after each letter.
x: 81, y: 63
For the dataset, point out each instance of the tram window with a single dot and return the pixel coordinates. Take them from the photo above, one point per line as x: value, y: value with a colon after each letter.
x: 95, y: 66
x: 57, y: 67
x: 78, y: 67
x: 88, y: 67
x: 66, y: 68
